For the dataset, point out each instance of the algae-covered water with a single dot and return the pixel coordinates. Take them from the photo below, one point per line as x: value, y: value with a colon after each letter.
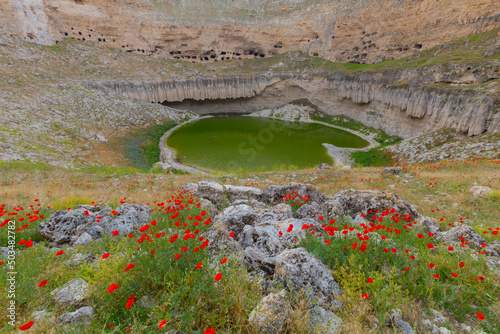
x: 241, y: 143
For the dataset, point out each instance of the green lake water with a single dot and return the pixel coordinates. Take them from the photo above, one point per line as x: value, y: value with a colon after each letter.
x: 241, y: 143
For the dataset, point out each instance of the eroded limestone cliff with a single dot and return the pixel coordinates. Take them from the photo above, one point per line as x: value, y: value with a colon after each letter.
x: 402, y: 109
x: 364, y: 31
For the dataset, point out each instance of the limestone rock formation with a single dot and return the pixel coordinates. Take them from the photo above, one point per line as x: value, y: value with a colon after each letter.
x: 302, y: 271
x: 80, y: 226
x: 468, y: 234
x: 274, y: 194
x: 81, y: 316
x: 399, y: 323
x: 355, y: 202
x: 323, y: 321
x: 362, y: 31
x: 272, y: 314
x: 478, y: 191
x: 73, y: 293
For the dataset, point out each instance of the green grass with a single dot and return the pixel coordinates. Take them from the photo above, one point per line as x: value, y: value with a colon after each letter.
x: 188, y: 298
x: 393, y: 286
x: 373, y: 157
x: 141, y: 146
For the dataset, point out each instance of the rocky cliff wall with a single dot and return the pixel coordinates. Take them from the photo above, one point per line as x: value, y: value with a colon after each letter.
x: 404, y: 110
x: 364, y: 31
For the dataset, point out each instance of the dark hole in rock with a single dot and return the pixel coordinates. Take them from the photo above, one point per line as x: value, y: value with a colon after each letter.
x: 90, y: 35
x: 418, y: 46
x: 223, y: 52
x: 80, y: 33
x: 98, y: 39
x: 212, y: 56
x: 262, y: 55
x: 83, y: 39
x: 315, y: 55
x: 206, y: 58
x: 104, y: 40
x: 65, y: 34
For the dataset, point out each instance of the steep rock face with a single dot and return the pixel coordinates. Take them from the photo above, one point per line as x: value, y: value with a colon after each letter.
x: 364, y: 31
x: 206, y: 88
x: 407, y: 110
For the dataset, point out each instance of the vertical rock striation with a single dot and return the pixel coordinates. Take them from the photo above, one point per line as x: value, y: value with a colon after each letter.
x: 467, y: 111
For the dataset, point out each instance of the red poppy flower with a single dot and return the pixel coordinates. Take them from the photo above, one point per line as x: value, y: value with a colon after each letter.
x: 290, y: 228
x: 177, y: 256
x: 420, y: 235
x: 112, y: 287
x: 480, y: 316
x: 364, y: 296
x: 412, y: 257
x: 430, y: 246
x: 454, y: 275
x: 130, y: 301
x: 431, y: 265
x: 199, y: 265
x: 130, y: 266
x: 451, y: 249
x: 461, y: 264
x: 115, y: 233
x: 105, y: 256
x: 406, y: 268
x: 184, y: 249
x: 218, y: 276
x: 327, y: 242
x: 369, y: 280
x: 223, y: 260
x: 42, y: 283
x: 436, y: 276
x: 26, y: 326
x: 320, y: 217
x: 162, y: 324
x: 60, y: 253
x: 231, y: 234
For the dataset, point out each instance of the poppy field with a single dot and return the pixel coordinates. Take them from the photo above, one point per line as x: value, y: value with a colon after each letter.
x: 198, y: 292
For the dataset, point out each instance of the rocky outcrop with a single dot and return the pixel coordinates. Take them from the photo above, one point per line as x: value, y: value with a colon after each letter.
x: 354, y: 202
x: 82, y: 225
x: 72, y: 293
x: 364, y: 31
x: 272, y: 314
x: 204, y: 88
x: 406, y: 110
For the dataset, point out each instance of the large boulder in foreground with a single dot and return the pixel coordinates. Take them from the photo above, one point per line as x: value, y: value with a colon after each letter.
x: 354, y: 202
x: 301, y: 270
x: 70, y: 226
x: 272, y: 314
